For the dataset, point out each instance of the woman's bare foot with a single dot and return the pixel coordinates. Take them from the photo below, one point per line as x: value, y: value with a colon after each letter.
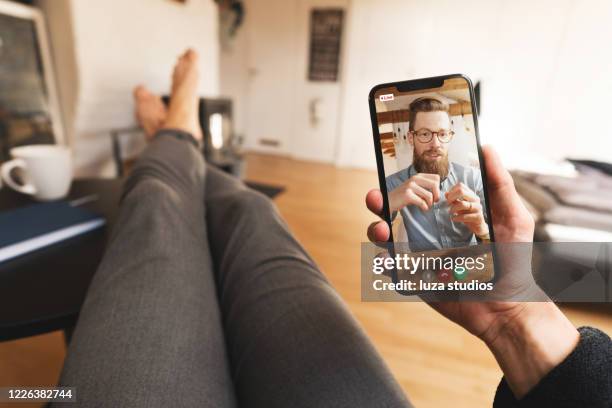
x: 150, y: 110
x: 184, y: 101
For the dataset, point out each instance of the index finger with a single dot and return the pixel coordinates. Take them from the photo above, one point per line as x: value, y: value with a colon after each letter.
x: 430, y: 182
x: 461, y: 191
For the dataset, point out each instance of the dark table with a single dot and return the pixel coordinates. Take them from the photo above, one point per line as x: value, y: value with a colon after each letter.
x: 43, y: 291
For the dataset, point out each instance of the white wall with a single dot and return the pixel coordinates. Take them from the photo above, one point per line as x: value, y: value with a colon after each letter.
x: 545, y: 67
x: 118, y: 44
x: 234, y: 72
x: 264, y: 70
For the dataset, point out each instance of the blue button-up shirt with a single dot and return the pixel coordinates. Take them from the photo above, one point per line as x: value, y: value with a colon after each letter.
x: 434, y: 229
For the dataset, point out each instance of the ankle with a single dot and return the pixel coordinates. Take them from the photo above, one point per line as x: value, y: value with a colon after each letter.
x: 184, y: 123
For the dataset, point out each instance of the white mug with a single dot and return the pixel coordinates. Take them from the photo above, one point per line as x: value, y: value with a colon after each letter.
x: 46, y: 169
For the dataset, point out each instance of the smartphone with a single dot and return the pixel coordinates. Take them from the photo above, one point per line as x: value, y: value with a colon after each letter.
x: 433, y: 181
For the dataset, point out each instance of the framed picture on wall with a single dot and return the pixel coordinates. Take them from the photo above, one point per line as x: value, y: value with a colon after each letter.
x: 29, y: 107
x: 325, y: 39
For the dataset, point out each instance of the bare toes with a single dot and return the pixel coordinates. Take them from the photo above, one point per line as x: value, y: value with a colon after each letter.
x: 140, y: 91
x: 191, y: 55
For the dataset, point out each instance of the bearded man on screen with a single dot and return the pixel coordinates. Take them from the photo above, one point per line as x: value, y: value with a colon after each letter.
x: 441, y: 202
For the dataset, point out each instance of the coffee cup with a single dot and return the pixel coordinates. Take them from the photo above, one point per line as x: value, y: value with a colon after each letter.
x: 46, y: 171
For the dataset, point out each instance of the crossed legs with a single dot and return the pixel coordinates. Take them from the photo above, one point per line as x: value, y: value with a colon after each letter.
x: 204, y: 298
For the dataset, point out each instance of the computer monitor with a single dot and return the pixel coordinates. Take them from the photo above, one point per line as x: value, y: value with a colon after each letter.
x: 29, y: 111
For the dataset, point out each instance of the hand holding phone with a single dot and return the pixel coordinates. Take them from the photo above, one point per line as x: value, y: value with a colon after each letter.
x: 500, y: 323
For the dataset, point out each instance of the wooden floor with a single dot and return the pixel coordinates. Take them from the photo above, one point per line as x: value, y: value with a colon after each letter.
x: 436, y: 362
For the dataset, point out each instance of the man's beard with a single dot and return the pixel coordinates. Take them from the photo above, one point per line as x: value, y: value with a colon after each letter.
x: 439, y: 166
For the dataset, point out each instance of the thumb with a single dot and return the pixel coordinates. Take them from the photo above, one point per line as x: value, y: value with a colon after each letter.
x: 499, y: 182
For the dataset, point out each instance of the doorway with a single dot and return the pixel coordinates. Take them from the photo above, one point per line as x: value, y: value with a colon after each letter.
x: 292, y: 101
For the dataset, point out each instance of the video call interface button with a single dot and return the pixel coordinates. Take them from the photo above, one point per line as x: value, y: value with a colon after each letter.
x: 445, y: 275
x: 460, y: 272
x: 428, y: 276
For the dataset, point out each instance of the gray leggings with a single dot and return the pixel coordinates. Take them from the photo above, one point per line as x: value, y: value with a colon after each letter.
x: 205, y: 299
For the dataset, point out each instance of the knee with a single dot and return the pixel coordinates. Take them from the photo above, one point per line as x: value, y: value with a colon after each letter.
x: 150, y: 192
x: 251, y: 203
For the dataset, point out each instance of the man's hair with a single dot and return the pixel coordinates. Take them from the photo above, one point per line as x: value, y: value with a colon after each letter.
x: 425, y: 104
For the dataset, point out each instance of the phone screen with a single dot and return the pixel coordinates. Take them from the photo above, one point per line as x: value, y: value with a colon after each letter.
x: 432, y: 176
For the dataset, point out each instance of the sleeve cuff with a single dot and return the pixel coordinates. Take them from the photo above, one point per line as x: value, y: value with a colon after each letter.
x: 180, y: 135
x: 583, y: 379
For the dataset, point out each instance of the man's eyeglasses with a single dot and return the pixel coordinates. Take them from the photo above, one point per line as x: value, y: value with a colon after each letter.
x: 425, y: 135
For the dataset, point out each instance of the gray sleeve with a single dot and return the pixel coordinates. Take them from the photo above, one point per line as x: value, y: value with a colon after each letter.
x: 393, y: 181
